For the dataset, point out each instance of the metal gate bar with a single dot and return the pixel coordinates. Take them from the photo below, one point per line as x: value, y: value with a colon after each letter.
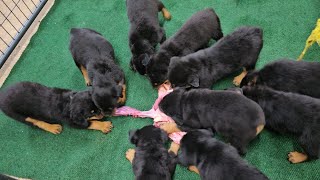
x: 23, y: 18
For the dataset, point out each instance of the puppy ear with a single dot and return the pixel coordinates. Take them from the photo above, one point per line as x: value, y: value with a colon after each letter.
x: 194, y: 81
x: 133, y: 136
x: 146, y: 60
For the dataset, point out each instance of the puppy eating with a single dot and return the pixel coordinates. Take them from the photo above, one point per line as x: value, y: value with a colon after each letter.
x: 150, y: 159
x: 203, y: 68
x: 288, y: 75
x: 192, y: 36
x: 94, y: 56
x: 46, y: 108
x: 291, y: 113
x: 213, y: 159
x: 145, y: 32
x: 230, y: 114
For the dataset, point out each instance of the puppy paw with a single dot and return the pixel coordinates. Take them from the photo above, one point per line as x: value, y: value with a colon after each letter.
x: 169, y: 127
x: 104, y: 126
x: 237, y: 80
x: 296, y: 157
x: 88, y: 83
x: 193, y: 169
x: 166, y: 14
x: 55, y: 128
x: 174, y: 148
x: 130, y: 154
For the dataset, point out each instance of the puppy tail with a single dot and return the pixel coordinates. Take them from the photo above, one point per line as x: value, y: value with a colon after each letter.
x: 259, y: 128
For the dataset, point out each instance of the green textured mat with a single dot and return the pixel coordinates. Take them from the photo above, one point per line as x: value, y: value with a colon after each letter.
x: 83, y: 154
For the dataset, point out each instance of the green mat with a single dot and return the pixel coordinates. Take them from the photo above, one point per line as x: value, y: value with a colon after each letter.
x: 82, y: 154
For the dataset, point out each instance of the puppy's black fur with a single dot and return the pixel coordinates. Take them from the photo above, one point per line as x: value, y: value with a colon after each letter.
x: 288, y: 75
x: 51, y: 105
x: 229, y: 113
x: 203, y: 68
x: 94, y: 53
x: 152, y: 160
x: 290, y: 113
x: 215, y: 159
x: 145, y: 32
x: 193, y: 35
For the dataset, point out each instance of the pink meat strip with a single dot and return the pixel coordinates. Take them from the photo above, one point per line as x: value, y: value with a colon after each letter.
x: 154, y: 113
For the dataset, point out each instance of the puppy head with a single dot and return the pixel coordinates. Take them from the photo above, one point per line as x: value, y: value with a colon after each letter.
x: 156, y: 69
x: 146, y: 135
x: 171, y: 106
x: 191, y: 146
x: 180, y: 75
x: 136, y: 63
x: 82, y: 107
x: 251, y: 79
x: 106, y: 98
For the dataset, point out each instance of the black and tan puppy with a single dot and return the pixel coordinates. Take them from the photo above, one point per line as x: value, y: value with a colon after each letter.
x: 288, y: 75
x: 46, y: 108
x: 150, y: 159
x: 237, y: 50
x: 230, y: 114
x: 192, y: 36
x: 145, y: 32
x: 291, y: 113
x: 94, y: 56
x: 213, y: 159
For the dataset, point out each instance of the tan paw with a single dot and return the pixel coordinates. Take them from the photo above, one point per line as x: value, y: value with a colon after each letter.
x: 296, y: 157
x: 130, y: 154
x: 174, y: 148
x: 169, y: 127
x: 193, y: 169
x: 106, y: 126
x: 55, y: 128
x: 237, y: 80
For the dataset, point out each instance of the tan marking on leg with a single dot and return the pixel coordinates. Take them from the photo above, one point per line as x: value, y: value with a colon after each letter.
x: 259, y: 128
x: 122, y: 100
x: 166, y: 14
x: 193, y: 169
x: 52, y: 128
x: 237, y: 80
x: 174, y: 147
x: 170, y: 127
x: 296, y: 157
x: 85, y: 75
x: 103, y: 126
x: 130, y: 155
x: 97, y: 117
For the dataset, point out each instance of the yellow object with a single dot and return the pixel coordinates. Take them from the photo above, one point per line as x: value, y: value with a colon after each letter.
x: 314, y: 37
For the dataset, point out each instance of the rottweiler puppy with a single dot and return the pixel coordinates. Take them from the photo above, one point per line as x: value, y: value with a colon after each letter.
x: 45, y: 107
x: 237, y: 50
x: 195, y: 34
x: 94, y: 56
x: 213, y: 159
x: 150, y: 159
x: 288, y: 75
x: 230, y: 114
x: 145, y: 32
x: 290, y: 113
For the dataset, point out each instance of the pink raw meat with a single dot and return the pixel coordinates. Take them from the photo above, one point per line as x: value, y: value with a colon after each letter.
x: 154, y: 113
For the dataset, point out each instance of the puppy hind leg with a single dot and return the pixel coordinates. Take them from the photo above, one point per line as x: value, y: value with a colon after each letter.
x: 237, y: 80
x: 52, y: 128
x: 85, y: 75
x: 166, y: 14
x: 130, y: 155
